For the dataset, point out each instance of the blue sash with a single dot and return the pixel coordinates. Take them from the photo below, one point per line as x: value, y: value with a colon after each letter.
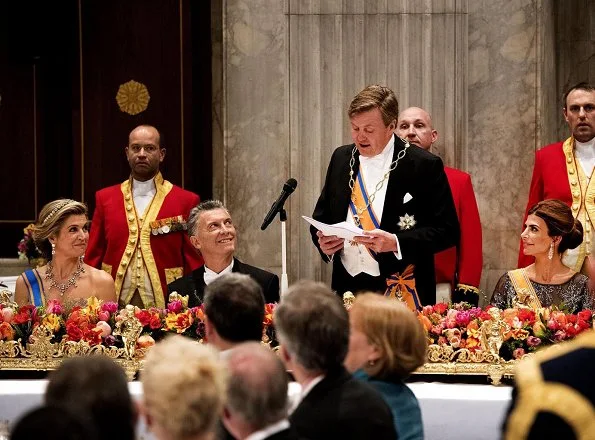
x: 35, y: 287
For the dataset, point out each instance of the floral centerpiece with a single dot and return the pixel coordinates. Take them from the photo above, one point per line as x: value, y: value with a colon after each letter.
x: 27, y: 250
x: 100, y: 323
x: 522, y: 330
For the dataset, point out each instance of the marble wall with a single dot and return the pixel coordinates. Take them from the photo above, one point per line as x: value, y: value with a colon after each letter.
x: 285, y: 70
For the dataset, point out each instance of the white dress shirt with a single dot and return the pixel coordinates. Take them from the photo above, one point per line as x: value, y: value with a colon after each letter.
x: 585, y: 153
x: 356, y: 258
x: 269, y: 431
x: 143, y: 193
x: 211, y: 276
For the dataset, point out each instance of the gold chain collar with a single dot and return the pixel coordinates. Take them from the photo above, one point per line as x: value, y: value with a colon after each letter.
x: 380, y: 184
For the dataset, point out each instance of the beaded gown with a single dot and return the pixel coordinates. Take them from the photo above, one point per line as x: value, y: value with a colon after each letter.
x: 573, y: 295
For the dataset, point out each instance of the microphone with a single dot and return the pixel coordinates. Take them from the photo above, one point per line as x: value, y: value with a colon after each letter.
x: 288, y: 188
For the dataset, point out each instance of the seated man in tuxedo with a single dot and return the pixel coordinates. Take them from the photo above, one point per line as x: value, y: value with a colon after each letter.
x: 213, y: 235
x: 313, y: 329
x: 256, y: 405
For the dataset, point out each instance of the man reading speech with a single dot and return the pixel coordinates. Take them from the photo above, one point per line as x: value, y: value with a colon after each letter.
x: 398, y: 194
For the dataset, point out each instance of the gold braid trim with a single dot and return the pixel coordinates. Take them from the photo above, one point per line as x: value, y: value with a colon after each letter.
x: 163, y: 188
x: 535, y: 395
x: 468, y: 289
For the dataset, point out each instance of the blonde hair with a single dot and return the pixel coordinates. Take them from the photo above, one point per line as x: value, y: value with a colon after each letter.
x: 50, y: 221
x: 376, y: 96
x: 184, y: 386
x: 394, y: 329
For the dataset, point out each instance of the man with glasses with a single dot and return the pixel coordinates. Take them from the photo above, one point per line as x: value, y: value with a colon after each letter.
x: 138, y: 233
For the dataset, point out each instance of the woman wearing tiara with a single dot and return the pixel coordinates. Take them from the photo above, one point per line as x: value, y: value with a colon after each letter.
x: 61, y: 234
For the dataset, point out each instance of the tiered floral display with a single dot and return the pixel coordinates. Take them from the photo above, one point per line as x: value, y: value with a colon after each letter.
x: 462, y: 339
x: 97, y: 323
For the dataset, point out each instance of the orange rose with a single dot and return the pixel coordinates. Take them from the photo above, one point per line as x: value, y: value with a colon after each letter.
x: 425, y: 322
x: 6, y: 332
x: 145, y: 341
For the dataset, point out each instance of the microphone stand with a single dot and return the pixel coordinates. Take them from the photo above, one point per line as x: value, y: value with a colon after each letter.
x: 284, y: 282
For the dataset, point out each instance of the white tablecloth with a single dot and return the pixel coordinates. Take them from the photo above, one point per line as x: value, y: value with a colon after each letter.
x: 462, y: 411
x: 449, y: 411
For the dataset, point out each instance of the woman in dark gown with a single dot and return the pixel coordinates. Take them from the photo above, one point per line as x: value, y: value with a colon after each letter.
x: 550, y: 230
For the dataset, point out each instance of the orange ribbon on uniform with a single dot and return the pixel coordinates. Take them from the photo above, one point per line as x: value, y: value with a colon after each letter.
x: 401, y: 286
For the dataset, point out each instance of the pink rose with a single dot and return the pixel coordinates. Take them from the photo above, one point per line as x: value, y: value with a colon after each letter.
x: 518, y: 353
x: 437, y: 329
x: 560, y: 335
x: 103, y: 315
x: 7, y: 314
x: 54, y: 307
x: 110, y: 307
x: 104, y: 327
x: 463, y: 318
x: 175, y: 306
x: 532, y: 341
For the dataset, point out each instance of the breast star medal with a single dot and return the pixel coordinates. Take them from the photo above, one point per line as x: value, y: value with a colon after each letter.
x: 406, y: 222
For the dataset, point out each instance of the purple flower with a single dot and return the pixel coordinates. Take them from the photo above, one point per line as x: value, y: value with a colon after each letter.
x: 110, y: 306
x: 175, y: 306
x: 109, y: 340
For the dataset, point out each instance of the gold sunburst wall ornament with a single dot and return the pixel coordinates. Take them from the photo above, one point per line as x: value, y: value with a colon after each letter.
x: 133, y: 97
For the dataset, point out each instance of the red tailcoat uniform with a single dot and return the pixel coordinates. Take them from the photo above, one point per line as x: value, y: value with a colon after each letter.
x: 556, y: 170
x: 462, y: 264
x: 159, y: 241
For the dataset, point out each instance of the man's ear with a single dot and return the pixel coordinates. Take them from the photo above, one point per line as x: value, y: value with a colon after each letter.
x: 285, y: 355
x: 434, y: 136
x: 195, y: 242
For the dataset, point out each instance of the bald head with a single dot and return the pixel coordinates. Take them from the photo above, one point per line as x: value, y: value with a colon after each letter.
x: 144, y: 152
x: 257, y: 390
x: 415, y: 125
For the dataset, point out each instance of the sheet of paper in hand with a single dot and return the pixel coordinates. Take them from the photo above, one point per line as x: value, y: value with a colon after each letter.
x: 341, y: 230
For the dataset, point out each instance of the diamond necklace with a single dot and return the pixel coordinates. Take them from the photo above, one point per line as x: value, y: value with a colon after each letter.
x: 379, y: 185
x: 63, y: 287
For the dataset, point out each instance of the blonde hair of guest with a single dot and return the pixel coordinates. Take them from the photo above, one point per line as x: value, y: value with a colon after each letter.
x: 184, y: 386
x: 392, y: 327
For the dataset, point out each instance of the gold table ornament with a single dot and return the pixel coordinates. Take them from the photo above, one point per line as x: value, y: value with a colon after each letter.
x: 133, y: 97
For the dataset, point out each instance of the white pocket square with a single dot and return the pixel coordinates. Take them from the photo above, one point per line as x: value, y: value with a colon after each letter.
x: 407, y: 198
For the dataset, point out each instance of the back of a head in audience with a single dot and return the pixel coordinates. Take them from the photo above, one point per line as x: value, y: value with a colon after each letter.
x: 257, y: 390
x: 386, y: 339
x: 312, y: 327
x: 95, y: 387
x: 183, y: 389
x: 234, y: 309
x: 53, y: 423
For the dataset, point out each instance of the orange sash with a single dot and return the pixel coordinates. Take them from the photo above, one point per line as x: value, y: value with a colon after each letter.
x: 401, y: 286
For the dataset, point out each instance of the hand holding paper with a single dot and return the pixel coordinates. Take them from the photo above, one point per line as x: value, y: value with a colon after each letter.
x: 341, y: 230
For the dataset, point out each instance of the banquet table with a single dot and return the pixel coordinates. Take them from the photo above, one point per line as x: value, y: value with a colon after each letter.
x: 449, y: 411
